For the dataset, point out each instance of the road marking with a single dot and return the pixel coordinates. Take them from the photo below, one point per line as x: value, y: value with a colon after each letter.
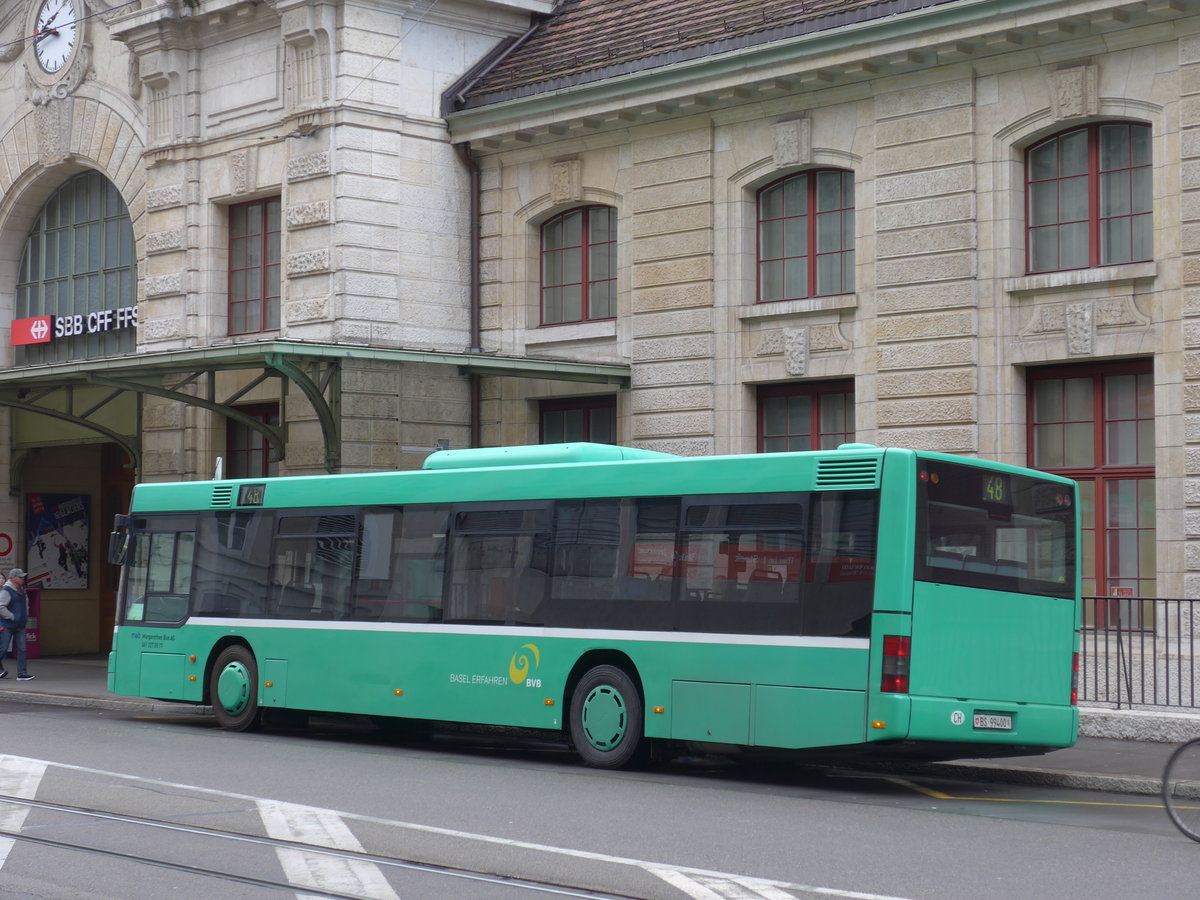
x: 938, y: 795
x: 759, y: 884
x: 322, y: 828
x: 19, y: 777
x: 708, y: 887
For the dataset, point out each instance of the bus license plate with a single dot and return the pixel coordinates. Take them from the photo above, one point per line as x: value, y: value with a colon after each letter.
x: 992, y: 722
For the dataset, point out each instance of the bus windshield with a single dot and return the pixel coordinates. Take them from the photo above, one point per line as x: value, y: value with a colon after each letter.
x: 997, y: 530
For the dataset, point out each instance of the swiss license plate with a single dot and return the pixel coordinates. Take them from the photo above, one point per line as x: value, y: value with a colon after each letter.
x: 992, y: 722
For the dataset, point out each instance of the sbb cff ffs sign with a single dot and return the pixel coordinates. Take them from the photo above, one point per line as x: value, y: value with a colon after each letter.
x: 44, y: 329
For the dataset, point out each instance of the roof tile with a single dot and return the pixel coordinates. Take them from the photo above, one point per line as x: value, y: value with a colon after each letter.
x: 588, y: 40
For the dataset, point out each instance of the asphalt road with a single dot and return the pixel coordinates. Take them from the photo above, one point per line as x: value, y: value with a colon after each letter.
x: 519, y: 817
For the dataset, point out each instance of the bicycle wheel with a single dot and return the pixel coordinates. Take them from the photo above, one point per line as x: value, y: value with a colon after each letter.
x: 1181, y: 788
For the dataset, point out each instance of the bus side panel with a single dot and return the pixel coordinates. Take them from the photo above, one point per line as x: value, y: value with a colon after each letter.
x: 793, y: 718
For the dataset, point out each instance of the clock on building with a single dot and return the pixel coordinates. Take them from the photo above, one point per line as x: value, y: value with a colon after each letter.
x: 55, y: 34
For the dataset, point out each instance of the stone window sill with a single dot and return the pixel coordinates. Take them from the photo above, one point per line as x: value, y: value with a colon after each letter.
x: 798, y: 307
x: 579, y: 331
x: 1046, y: 282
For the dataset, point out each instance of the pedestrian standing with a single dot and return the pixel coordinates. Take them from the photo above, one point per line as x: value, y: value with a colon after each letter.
x: 14, y: 615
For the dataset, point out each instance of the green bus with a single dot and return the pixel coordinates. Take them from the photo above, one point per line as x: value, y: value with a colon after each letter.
x: 859, y: 597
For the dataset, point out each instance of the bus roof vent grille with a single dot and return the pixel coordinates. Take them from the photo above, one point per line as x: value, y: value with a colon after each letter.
x: 222, y: 495
x: 848, y: 471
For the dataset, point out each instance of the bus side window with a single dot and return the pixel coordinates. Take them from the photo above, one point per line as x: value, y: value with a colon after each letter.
x: 233, y: 555
x: 499, y: 563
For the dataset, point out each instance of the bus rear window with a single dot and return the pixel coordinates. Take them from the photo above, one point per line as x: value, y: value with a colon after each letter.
x: 1003, y: 531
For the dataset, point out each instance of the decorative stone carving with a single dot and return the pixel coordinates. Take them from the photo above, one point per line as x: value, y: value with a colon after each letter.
x: 795, y: 350
x: 566, y: 181
x: 164, y: 241
x: 770, y: 344
x: 164, y: 197
x: 307, y: 262
x: 242, y: 171
x: 305, y: 215
x: 53, y: 123
x: 1075, y: 92
x: 311, y: 165
x: 827, y: 338
x: 164, y: 285
x: 80, y: 70
x: 1081, y: 329
x: 793, y: 142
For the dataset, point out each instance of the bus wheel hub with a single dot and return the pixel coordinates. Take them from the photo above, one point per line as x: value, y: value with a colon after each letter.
x: 233, y: 688
x: 605, y: 717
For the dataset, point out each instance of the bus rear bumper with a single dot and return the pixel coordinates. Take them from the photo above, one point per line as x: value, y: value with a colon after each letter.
x: 993, y: 722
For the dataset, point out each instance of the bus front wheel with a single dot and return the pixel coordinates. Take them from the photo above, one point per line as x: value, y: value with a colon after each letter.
x: 607, y: 718
x: 234, y: 689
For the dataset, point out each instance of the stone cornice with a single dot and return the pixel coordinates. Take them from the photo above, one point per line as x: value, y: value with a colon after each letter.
x: 943, y: 35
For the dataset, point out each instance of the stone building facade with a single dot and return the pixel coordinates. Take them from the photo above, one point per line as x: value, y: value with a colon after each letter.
x: 230, y: 231
x: 954, y: 331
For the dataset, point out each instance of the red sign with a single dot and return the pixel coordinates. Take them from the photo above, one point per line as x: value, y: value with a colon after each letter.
x: 38, y: 330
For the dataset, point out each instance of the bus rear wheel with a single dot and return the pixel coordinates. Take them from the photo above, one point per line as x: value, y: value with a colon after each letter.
x: 607, y: 718
x: 233, y: 688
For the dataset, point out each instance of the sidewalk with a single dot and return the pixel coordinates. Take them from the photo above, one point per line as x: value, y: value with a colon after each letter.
x: 1122, y: 751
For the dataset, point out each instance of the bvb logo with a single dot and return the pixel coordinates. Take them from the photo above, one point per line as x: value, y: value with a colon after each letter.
x: 518, y: 669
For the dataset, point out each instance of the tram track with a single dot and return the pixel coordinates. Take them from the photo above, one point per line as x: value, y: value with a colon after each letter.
x: 534, y: 887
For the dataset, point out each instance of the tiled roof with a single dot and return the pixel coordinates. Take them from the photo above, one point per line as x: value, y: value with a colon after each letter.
x: 588, y: 40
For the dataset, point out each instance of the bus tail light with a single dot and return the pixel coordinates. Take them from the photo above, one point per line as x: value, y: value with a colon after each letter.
x: 1074, y: 679
x: 896, y: 652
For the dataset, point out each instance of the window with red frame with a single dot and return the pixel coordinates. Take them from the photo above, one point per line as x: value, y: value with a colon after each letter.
x: 806, y: 236
x: 579, y: 419
x: 1096, y: 424
x: 247, y: 452
x: 1089, y: 198
x: 579, y: 266
x: 254, y: 266
x: 809, y: 416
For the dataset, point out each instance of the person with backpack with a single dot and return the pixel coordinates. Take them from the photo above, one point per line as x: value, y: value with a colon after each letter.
x: 14, y: 614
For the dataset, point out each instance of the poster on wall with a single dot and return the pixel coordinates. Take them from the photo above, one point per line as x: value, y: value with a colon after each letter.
x: 57, y: 550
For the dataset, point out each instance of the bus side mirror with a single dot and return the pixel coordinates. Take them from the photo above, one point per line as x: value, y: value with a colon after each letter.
x: 118, y: 547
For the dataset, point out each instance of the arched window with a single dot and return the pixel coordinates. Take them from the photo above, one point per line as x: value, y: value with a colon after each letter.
x: 579, y: 265
x: 77, y: 275
x: 1089, y: 198
x: 806, y: 236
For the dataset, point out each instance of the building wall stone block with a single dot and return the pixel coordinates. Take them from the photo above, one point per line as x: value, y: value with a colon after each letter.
x: 930, y: 239
x: 915, y: 384
x: 672, y: 373
x: 945, y: 295
x: 683, y: 347
x: 922, y: 185
x: 670, y: 196
x: 924, y: 269
x: 674, y: 424
x: 695, y: 268
x: 678, y: 143
x: 925, y: 411
x: 948, y: 439
x: 935, y: 152
x: 927, y: 355
x: 926, y: 325
x: 920, y: 127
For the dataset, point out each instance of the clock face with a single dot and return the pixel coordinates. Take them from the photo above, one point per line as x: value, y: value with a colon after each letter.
x: 54, y: 34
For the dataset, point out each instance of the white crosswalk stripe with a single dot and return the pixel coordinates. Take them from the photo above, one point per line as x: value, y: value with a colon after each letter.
x: 322, y: 828
x: 19, y: 777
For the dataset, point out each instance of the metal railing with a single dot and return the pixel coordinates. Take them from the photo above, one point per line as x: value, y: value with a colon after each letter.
x: 1140, y: 651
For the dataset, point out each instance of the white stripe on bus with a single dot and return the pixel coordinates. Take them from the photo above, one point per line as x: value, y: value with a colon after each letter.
x: 588, y: 634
